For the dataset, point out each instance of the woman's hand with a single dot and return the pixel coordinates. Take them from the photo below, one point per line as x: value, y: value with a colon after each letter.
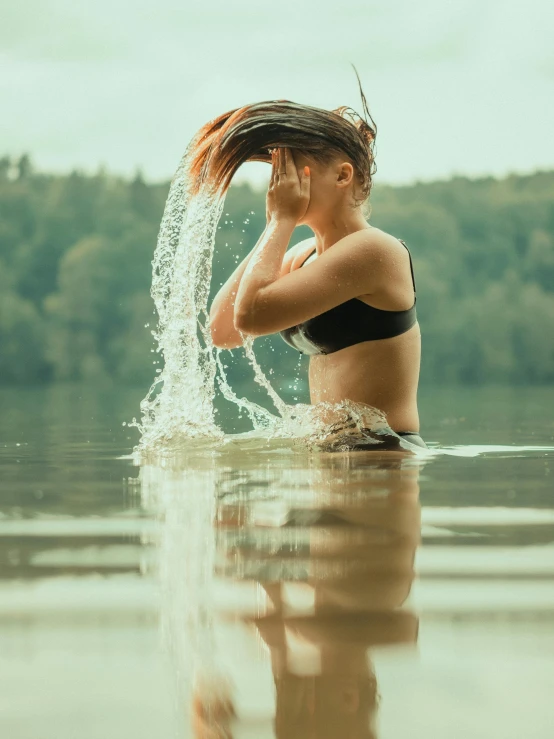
x: 288, y: 194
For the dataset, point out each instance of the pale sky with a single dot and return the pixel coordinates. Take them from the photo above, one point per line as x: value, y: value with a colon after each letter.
x: 455, y: 88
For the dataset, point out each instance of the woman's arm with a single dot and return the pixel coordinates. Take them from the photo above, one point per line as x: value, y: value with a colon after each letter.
x: 222, y: 326
x: 285, y: 202
x: 263, y: 268
x: 264, y: 295
x: 268, y: 301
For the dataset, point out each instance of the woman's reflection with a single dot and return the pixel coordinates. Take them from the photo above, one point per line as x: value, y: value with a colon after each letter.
x: 327, y: 549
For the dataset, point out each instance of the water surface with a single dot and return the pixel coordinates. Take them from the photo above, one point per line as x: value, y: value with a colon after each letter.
x: 267, y: 590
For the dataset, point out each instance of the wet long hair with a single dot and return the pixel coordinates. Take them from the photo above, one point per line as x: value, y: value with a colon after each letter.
x: 249, y: 133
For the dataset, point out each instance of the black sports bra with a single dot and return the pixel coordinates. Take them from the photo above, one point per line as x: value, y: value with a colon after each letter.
x: 349, y: 323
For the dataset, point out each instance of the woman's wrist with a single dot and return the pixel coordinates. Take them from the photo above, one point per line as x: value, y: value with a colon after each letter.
x: 282, y: 221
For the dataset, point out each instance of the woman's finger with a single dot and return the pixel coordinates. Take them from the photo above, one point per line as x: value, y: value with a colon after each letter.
x: 282, y: 165
x: 305, y: 182
x: 272, y: 178
x: 289, y: 161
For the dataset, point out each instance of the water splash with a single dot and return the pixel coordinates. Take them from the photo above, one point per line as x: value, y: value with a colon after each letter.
x: 179, y: 402
x: 179, y: 405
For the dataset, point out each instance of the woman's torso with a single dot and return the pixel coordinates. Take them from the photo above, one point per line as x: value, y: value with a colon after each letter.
x: 381, y: 372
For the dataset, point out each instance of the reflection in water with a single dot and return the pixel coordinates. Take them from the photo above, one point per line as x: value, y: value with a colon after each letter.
x: 282, y: 573
x: 79, y: 591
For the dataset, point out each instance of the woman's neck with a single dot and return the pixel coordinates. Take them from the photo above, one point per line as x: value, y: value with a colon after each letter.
x: 336, y: 226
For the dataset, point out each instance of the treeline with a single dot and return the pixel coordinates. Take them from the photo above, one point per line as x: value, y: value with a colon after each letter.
x: 75, y: 273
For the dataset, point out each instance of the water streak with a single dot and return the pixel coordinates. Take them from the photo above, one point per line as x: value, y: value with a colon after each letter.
x: 179, y: 402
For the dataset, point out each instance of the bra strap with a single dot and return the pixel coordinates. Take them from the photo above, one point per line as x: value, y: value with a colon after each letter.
x: 411, y: 265
x: 309, y: 255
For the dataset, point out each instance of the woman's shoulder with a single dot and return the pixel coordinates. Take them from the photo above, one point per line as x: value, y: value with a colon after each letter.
x: 380, y: 255
x: 386, y: 241
x: 372, y: 247
x: 390, y: 251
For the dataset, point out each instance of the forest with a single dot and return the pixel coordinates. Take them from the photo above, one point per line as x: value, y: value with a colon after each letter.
x: 75, y: 274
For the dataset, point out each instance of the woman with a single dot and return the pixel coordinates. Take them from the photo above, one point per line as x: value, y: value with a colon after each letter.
x: 346, y: 296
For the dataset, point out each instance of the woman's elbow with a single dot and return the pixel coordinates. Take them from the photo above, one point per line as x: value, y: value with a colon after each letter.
x: 241, y: 322
x: 247, y: 324
x: 222, y: 338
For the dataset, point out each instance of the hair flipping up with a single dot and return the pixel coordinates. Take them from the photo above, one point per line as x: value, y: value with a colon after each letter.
x: 248, y: 134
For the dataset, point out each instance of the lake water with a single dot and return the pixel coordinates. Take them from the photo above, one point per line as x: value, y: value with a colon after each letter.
x: 256, y: 591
